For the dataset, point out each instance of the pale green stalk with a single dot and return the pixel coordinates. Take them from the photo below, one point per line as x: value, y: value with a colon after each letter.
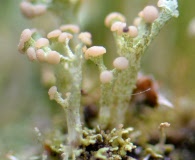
x: 133, y: 49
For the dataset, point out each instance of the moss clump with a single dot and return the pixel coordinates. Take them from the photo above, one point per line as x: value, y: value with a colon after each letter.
x: 103, y: 145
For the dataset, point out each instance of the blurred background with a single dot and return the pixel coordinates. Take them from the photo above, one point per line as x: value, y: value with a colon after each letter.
x: 24, y: 102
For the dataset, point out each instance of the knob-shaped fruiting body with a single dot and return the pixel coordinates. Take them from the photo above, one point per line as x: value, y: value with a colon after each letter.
x: 106, y: 76
x: 52, y: 92
x: 41, y: 42
x: 72, y: 28
x: 113, y: 17
x: 53, y: 57
x: 150, y: 14
x: 121, y: 63
x: 31, y: 53
x: 54, y: 34
x: 94, y: 51
x: 85, y: 38
x: 25, y: 36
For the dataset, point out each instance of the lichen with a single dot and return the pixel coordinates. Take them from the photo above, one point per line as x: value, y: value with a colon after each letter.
x: 67, y: 49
